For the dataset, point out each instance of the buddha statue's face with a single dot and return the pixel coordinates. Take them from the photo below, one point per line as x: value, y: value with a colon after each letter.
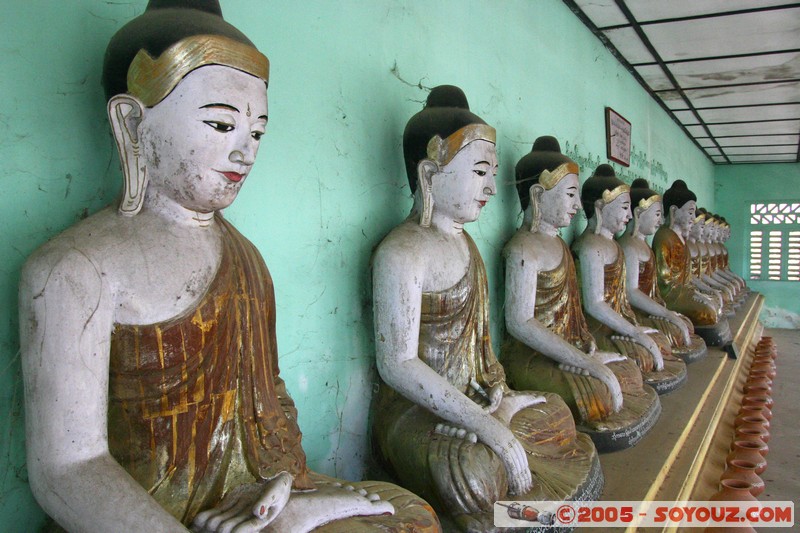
x: 617, y: 213
x: 683, y: 217
x: 559, y: 204
x: 712, y: 233
x: 462, y: 187
x: 697, y: 230
x: 650, y: 219
x: 201, y: 141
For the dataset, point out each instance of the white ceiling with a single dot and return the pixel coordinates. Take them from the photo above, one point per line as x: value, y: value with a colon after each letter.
x: 727, y: 71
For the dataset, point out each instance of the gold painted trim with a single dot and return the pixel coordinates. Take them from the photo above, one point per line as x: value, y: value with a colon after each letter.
x: 645, y: 203
x: 610, y: 196
x: 700, y: 217
x: 151, y: 80
x: 548, y: 179
x: 442, y: 151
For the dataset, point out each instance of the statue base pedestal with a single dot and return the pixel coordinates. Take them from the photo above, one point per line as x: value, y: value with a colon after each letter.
x: 625, y: 429
x: 672, y: 378
x: 683, y: 456
x: 693, y: 353
x: 717, y: 335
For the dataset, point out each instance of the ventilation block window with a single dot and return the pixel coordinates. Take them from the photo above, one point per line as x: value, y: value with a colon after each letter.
x: 774, y: 244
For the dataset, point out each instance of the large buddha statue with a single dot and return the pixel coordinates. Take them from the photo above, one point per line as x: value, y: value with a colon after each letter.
x: 549, y: 346
x: 640, y: 268
x: 445, y: 423
x: 702, y: 263
x: 606, y: 202
x: 673, y: 268
x: 152, y: 389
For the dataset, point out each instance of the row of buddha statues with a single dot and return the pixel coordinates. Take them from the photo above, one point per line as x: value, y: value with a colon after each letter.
x: 153, y: 395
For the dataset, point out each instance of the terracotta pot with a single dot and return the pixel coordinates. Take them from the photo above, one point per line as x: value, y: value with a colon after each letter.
x: 744, y: 471
x: 764, y: 358
x: 737, y: 491
x: 769, y: 369
x: 733, y: 490
x: 754, y: 434
x: 757, y: 387
x: 751, y: 421
x: 760, y: 377
x: 758, y: 399
x: 747, y: 450
x: 755, y: 410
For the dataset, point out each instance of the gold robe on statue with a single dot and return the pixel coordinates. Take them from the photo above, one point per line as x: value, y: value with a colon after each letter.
x: 197, y: 406
x: 558, y: 308
x: 463, y: 477
x: 674, y: 278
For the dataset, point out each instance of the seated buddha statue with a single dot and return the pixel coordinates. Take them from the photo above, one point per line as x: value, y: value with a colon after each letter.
x: 640, y: 269
x: 152, y: 390
x: 445, y: 422
x: 549, y: 346
x: 601, y: 264
x: 722, y: 235
x: 710, y: 241
x: 673, y: 268
x: 702, y: 264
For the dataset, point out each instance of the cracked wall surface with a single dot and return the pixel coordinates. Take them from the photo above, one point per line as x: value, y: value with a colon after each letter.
x: 330, y: 180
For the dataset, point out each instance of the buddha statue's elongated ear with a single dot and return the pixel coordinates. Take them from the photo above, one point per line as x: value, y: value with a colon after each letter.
x: 637, y: 212
x: 425, y: 171
x: 672, y: 210
x: 535, y: 195
x: 125, y: 114
x: 599, y: 204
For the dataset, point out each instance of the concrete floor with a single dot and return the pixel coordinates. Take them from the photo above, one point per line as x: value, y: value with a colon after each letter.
x: 782, y: 476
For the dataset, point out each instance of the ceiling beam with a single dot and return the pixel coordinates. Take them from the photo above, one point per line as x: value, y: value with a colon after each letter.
x: 718, y: 58
x: 650, y: 48
x: 624, y: 62
x: 699, y: 17
x: 724, y: 85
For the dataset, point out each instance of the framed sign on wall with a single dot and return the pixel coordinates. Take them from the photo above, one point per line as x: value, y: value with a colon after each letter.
x: 618, y: 138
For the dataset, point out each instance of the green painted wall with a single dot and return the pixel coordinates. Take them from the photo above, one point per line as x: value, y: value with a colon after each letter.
x: 329, y: 183
x: 737, y: 186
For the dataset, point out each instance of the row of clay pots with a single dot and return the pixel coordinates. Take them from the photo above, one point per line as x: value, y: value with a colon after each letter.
x: 741, y: 480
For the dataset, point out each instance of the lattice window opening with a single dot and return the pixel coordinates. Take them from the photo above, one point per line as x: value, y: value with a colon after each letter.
x: 775, y: 213
x: 756, y: 242
x: 793, y: 254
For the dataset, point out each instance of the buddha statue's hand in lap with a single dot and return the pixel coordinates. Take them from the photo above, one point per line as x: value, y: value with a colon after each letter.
x: 153, y: 395
x: 445, y: 423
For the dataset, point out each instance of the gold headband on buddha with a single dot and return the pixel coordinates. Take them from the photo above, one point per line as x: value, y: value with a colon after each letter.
x: 700, y: 217
x: 442, y: 151
x: 549, y: 179
x: 645, y: 203
x: 151, y: 80
x: 610, y: 196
